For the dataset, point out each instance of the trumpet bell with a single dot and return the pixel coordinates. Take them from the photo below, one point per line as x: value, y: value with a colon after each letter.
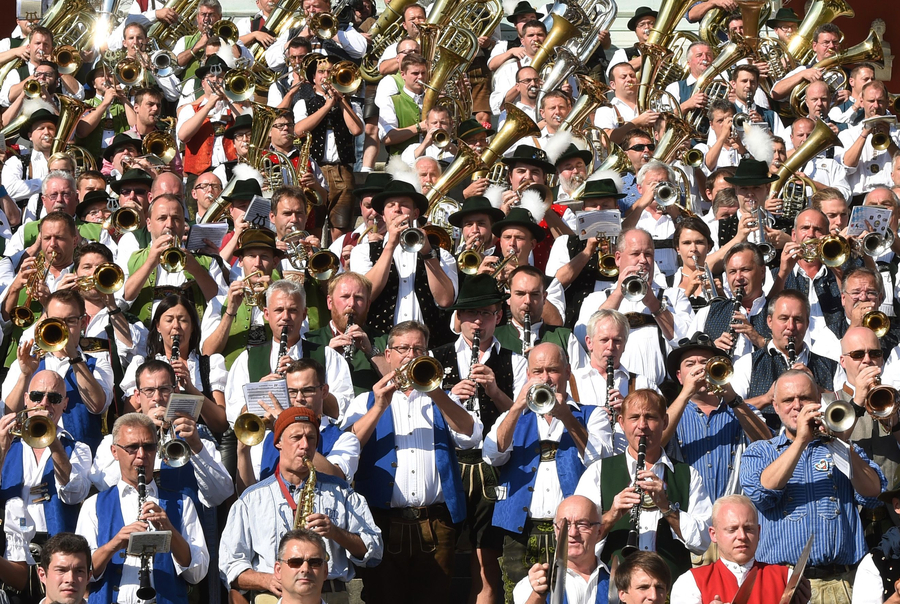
x: 608, y: 266
x: 128, y: 71
x: 33, y: 89
x: 324, y: 25
x: 838, y: 416
x: 68, y: 59
x: 719, y: 370
x: 175, y: 453
x: 634, y: 288
x: 412, y: 240
x: 108, y: 278
x: 540, y: 399
x: 881, y: 141
x: 468, y: 261
x: 126, y: 220
x: 345, y: 77
x: 37, y: 431
x: 323, y: 265
x: 250, y: 429
x: 877, y: 321
x: 22, y: 316
x: 876, y: 245
x: 173, y: 260
x: 881, y: 401
x: 438, y: 237
x: 51, y: 335
x: 422, y: 374
x: 441, y: 138
x: 834, y: 250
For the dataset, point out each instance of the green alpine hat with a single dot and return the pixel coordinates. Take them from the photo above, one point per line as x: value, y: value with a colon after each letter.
x: 244, y: 190
x: 134, y: 175
x: 375, y: 183
x: 601, y: 188
x: 751, y: 173
x: 478, y: 291
x: 784, y: 15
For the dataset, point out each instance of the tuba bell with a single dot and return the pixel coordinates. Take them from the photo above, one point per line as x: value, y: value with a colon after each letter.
x: 541, y: 399
x: 422, y: 374
x: 70, y: 111
x: 819, y: 139
x: 37, y: 431
x: 819, y: 13
x: 250, y: 429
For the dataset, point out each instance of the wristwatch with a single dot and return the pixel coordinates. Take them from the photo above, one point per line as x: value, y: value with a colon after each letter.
x: 76, y: 360
x: 736, y: 402
x: 432, y: 254
x: 674, y: 510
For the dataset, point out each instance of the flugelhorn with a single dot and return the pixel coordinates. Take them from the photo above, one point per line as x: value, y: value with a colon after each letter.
x: 877, y: 321
x: 250, y: 429
x: 23, y: 316
x: 541, y: 398
x: 108, y: 278
x: 423, y: 374
x: 37, y: 431
x: 173, y: 258
x: 881, y: 401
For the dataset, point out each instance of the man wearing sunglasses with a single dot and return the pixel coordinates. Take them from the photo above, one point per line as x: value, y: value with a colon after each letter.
x: 42, y: 487
x: 88, y: 376
x: 109, y: 518
x: 266, y: 512
x: 301, y: 567
x: 638, y: 146
x: 583, y: 568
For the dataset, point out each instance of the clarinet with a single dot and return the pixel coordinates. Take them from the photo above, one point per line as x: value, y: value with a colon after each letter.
x: 634, y: 533
x: 176, y: 349
x: 610, y: 385
x: 282, y: 347
x: 526, y: 328
x: 145, y: 589
x: 791, y: 351
x: 738, y: 301
x: 476, y: 344
x: 349, y: 349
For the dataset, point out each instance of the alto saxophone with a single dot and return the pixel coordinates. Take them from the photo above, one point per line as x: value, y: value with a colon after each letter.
x: 306, y: 503
x: 312, y: 196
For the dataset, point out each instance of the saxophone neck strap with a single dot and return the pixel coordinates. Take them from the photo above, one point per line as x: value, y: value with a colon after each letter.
x: 286, y: 491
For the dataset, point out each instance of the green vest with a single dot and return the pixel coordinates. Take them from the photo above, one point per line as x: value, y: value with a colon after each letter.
x: 258, y: 365
x: 362, y: 372
x: 316, y: 305
x: 678, y: 488
x: 142, y: 306
x: 240, y: 330
x: 408, y: 114
x: 508, y: 336
x: 93, y: 142
x: 90, y: 230
x: 194, y: 64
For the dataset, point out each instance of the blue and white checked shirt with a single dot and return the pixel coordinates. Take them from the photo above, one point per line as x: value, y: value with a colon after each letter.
x: 817, y: 498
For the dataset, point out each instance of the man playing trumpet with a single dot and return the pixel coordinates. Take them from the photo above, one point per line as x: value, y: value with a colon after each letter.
x: 45, y: 476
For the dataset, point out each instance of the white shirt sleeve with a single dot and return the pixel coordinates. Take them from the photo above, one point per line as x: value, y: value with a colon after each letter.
x: 867, y: 584
x: 353, y: 42
x: 685, y: 590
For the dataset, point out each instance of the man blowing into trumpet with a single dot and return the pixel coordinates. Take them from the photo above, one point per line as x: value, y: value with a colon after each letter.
x: 46, y: 474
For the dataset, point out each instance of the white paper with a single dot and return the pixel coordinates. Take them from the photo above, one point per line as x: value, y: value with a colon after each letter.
x: 258, y: 212
x: 840, y: 454
x: 869, y: 218
x: 149, y: 542
x: 188, y: 404
x: 214, y: 232
x: 605, y: 222
x: 257, y: 391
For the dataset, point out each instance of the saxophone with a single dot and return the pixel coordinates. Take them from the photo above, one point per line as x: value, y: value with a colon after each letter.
x: 312, y: 197
x: 306, y: 503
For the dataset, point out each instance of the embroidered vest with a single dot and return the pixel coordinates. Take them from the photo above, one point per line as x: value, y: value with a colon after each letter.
x: 500, y: 363
x: 142, y: 306
x: 327, y: 438
x: 170, y: 587
x: 719, y: 319
x: 519, y: 473
x: 334, y: 121
x: 678, y: 487
x: 378, y: 464
x: 83, y: 425
x: 191, y: 68
x: 727, y: 229
x: 93, y: 142
x: 381, y: 311
x: 766, y: 369
x: 716, y: 580
x: 602, y: 590
x: 60, y: 517
x: 889, y: 569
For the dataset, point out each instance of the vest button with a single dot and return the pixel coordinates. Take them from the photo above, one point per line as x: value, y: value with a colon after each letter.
x: 537, y: 449
x: 521, y: 528
x: 531, y: 489
x: 533, y: 469
x: 390, y: 484
x: 525, y: 509
x: 393, y: 464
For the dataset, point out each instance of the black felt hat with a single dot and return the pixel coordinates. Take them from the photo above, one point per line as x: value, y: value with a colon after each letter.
x: 519, y: 217
x: 478, y: 291
x: 375, y: 183
x: 244, y: 190
x: 120, y: 140
x: 41, y: 115
x: 90, y: 198
x: 751, y: 173
x: 476, y: 205
x: 135, y: 175
x: 526, y: 154
x: 523, y: 8
x: 241, y: 122
x: 213, y: 62
x: 699, y: 341
x: 398, y: 188
x: 471, y: 127
x: 784, y: 15
x: 572, y: 151
x: 601, y: 188
x: 640, y: 13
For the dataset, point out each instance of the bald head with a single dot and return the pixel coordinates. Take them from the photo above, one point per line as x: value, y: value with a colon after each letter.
x: 47, y: 382
x: 547, y: 351
x: 547, y: 362
x: 167, y: 182
x: 577, y: 507
x: 857, y: 337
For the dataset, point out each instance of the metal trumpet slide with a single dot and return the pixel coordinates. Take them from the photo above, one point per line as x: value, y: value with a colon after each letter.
x: 423, y: 374
x: 37, y: 431
x: 541, y: 398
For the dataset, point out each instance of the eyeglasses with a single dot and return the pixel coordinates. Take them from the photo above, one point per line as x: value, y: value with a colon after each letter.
x: 58, y: 194
x: 282, y: 126
x: 403, y: 349
x: 642, y: 146
x: 530, y: 81
x: 148, y: 448
x: 583, y: 526
x: 858, y: 355
x: 36, y: 396
x: 304, y: 392
x: 132, y: 191
x: 478, y: 314
x: 863, y: 293
x: 242, y: 136
x: 71, y: 321
x: 163, y: 390
x: 296, y: 563
x: 97, y: 212
x: 44, y: 74
x: 207, y: 185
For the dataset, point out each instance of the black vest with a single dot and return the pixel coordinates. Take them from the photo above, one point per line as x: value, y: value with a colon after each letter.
x: 500, y: 363
x: 766, y: 368
x: 889, y: 569
x: 829, y: 292
x: 381, y: 312
x: 333, y: 121
x: 719, y: 319
x: 728, y: 228
x: 583, y: 285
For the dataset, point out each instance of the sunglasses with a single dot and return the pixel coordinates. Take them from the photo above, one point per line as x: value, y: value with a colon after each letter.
x: 130, y: 190
x: 149, y: 448
x: 296, y: 563
x: 642, y: 146
x: 36, y: 396
x: 858, y: 355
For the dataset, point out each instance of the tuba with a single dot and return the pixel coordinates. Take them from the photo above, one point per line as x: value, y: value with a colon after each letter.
x: 819, y: 13
x: 70, y: 111
x: 565, y: 27
x: 656, y: 48
x: 386, y: 31
x: 592, y: 95
x: 165, y: 35
x: 467, y: 163
x: 710, y: 82
x: 819, y: 139
x: 677, y: 133
x: 517, y: 126
x: 456, y: 49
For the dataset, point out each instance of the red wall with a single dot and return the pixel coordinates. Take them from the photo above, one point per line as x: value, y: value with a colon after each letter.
x: 7, y: 18
x: 856, y: 29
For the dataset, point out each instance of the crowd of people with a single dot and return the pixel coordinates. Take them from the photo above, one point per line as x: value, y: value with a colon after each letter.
x: 284, y: 306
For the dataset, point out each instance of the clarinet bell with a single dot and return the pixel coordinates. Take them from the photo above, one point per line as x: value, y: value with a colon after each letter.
x: 145, y: 591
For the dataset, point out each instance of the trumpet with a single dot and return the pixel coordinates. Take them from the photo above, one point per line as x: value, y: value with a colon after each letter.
x: 123, y: 219
x: 51, y: 335
x: 837, y: 416
x: 23, y: 316
x: 470, y: 258
x: 440, y: 138
x: 765, y: 248
x: 37, y: 431
x: 874, y: 244
x: 33, y: 89
x: 635, y: 287
x: 719, y: 370
x: 541, y: 398
x: 250, y: 429
x: 173, y: 451
x: 881, y: 401
x: 706, y: 279
x: 832, y: 250
x: 511, y: 258
x: 173, y: 258
x: 877, y: 321
x: 108, y: 278
x: 606, y: 260
x: 412, y: 239
x: 422, y: 374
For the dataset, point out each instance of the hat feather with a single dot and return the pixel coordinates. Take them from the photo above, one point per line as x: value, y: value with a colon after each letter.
x: 400, y: 170
x: 509, y: 6
x: 611, y: 175
x: 226, y: 55
x: 494, y: 193
x: 557, y: 145
x: 244, y: 171
x: 759, y: 143
x: 534, y: 203
x: 29, y: 106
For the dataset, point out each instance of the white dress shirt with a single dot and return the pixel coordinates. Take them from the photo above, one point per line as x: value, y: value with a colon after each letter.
x: 504, y: 80
x: 608, y: 118
x: 25, y: 517
x: 578, y: 590
x: 559, y: 257
x: 829, y: 172
x: 387, y: 114
x: 405, y: 263
x: 337, y: 375
x: 13, y: 78
x: 214, y: 484
x: 417, y: 482
x: 165, y: 278
x: 686, y: 591
x: 21, y: 183
x: 191, y: 530
x: 642, y: 353
x: 694, y: 522
x: 868, y: 587
x: 740, y: 381
x: 349, y: 39
x: 578, y: 356
x: 871, y: 164
x: 661, y: 228
x: 218, y: 375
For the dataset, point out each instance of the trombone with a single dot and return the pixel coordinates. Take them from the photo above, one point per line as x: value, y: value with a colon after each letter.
x: 422, y: 374
x: 37, y: 431
x: 108, y: 278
